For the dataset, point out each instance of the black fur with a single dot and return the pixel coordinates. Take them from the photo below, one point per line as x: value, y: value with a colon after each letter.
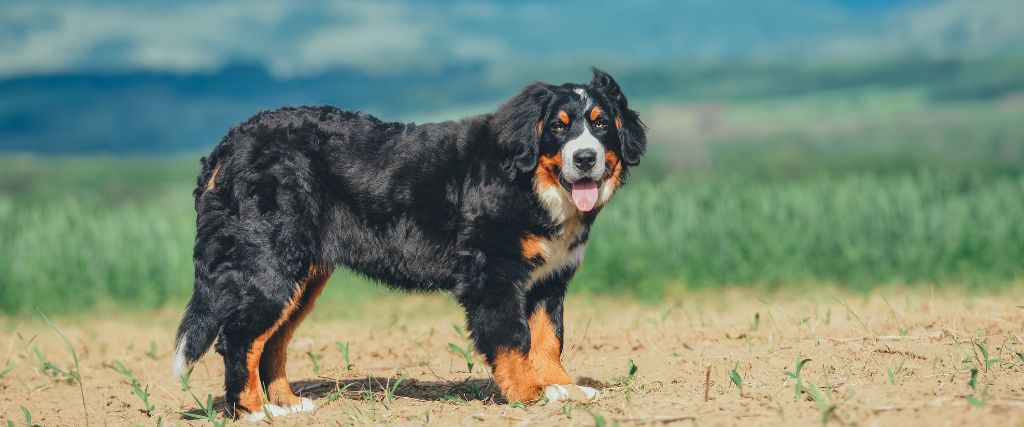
x: 438, y: 206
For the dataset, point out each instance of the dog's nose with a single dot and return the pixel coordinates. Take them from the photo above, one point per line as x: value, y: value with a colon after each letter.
x: 584, y: 159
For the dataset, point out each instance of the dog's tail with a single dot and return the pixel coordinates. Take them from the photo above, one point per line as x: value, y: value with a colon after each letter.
x: 199, y: 327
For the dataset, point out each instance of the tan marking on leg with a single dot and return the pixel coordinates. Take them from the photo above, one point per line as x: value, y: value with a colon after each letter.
x: 213, y: 178
x: 250, y: 398
x: 545, y: 349
x: 275, y: 356
x: 516, y: 377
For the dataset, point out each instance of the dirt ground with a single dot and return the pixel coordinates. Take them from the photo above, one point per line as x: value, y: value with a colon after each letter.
x: 903, y: 358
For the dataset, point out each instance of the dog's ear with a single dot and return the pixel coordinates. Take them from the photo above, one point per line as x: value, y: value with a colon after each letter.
x: 632, y: 132
x: 519, y: 127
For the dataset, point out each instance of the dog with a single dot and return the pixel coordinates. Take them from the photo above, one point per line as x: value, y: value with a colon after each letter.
x: 496, y: 209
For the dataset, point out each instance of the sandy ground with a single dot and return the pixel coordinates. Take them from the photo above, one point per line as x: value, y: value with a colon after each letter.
x: 905, y: 359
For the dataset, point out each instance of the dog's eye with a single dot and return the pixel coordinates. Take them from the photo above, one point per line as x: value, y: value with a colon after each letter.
x: 559, y: 128
x: 600, y: 124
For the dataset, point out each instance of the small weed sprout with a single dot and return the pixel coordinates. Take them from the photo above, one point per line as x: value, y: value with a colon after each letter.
x: 850, y: 312
x: 142, y: 392
x: 343, y: 347
x: 984, y: 360
x: 389, y: 391
x: 599, y: 420
x: 796, y: 375
x: 977, y: 399
x: 899, y: 326
x: 152, y: 350
x: 825, y: 405
x: 756, y: 324
x: 315, y: 358
x: 891, y: 373
x: 466, y: 352
x: 28, y: 418
x: 52, y: 371
x: 627, y: 380
x: 475, y: 389
x: 209, y: 413
x: 736, y: 379
x: 567, y: 409
x: 185, y: 378
x: 337, y: 393
x: 74, y: 356
x: 119, y: 367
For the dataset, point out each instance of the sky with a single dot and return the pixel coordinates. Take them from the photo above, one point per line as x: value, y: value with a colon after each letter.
x: 296, y: 39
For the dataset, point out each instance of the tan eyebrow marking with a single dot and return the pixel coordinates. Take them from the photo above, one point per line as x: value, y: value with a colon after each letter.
x: 563, y: 116
x: 595, y: 113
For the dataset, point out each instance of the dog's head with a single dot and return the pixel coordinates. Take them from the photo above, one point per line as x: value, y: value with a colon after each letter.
x: 577, y: 141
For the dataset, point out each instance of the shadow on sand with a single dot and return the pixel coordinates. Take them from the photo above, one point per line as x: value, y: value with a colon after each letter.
x: 375, y: 388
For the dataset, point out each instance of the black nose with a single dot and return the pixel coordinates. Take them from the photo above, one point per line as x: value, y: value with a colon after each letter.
x: 584, y: 159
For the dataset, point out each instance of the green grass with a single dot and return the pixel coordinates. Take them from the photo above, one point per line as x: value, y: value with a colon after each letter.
x: 74, y: 253
x: 858, y: 231
x: 861, y: 230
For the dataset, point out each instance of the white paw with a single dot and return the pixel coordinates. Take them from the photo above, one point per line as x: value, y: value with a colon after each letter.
x: 591, y: 393
x: 274, y: 410
x: 305, y: 405
x: 268, y: 409
x: 556, y: 393
x: 563, y: 393
x: 254, y: 417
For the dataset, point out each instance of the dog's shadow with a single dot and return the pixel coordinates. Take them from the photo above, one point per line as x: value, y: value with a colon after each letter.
x: 372, y: 389
x: 325, y: 390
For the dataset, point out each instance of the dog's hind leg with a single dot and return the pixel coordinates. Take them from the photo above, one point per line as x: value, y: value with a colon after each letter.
x: 275, y: 357
x: 250, y: 326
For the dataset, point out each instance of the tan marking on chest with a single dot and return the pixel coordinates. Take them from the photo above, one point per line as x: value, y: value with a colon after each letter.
x: 556, y: 252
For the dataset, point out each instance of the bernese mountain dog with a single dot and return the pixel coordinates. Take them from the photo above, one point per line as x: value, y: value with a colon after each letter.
x: 495, y: 209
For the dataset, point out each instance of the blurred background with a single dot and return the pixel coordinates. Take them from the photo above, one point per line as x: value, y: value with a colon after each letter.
x: 838, y: 143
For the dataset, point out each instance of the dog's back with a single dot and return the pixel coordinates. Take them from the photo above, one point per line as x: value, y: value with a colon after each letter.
x: 303, y: 186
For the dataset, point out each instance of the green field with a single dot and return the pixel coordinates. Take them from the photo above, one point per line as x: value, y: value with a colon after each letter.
x: 849, y: 189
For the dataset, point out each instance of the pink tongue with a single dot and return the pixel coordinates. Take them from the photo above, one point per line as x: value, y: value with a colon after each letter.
x: 584, y: 195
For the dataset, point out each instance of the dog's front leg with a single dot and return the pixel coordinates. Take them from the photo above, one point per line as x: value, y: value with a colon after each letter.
x: 496, y: 319
x: 544, y: 305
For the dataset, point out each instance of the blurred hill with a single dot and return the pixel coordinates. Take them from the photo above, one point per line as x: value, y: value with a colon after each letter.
x: 151, y: 77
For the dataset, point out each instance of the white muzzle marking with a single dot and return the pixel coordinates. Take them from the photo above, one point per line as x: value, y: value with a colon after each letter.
x: 584, y: 141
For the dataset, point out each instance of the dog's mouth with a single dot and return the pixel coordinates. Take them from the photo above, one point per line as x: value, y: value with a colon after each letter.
x: 584, y: 192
